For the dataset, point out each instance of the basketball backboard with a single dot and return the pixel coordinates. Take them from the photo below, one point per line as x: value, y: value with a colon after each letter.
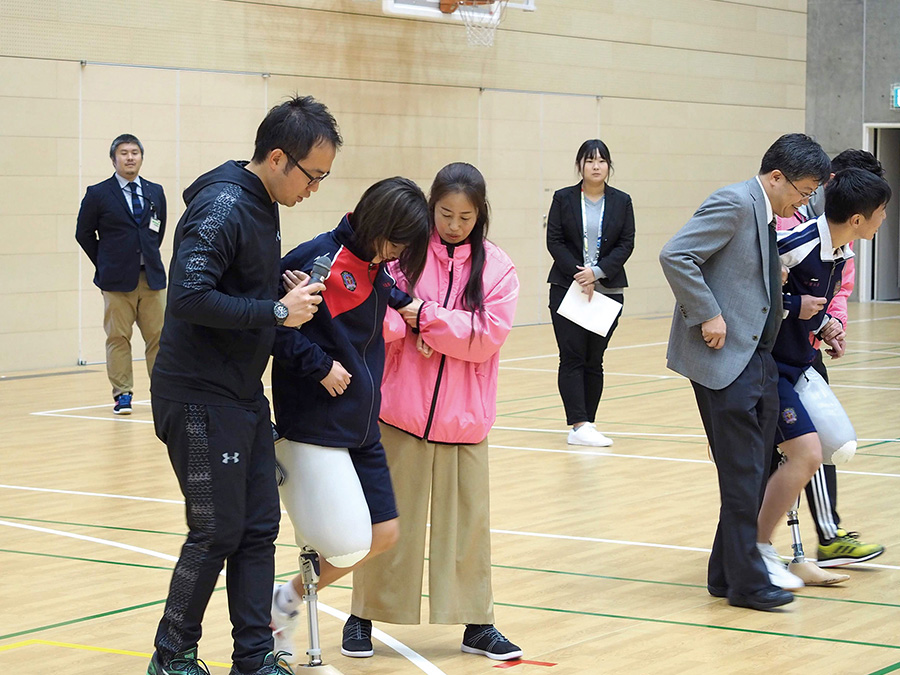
x: 430, y: 9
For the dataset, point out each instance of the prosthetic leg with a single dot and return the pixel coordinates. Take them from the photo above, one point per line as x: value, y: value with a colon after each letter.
x: 309, y: 571
x: 812, y: 574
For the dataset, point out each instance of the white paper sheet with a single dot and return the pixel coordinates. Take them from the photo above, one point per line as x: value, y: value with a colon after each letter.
x: 596, y: 315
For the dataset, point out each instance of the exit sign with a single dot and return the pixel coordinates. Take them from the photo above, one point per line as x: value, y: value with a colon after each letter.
x: 895, y: 96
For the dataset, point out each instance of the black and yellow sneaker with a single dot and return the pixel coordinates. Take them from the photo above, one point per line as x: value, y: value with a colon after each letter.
x: 183, y: 663
x: 846, y: 549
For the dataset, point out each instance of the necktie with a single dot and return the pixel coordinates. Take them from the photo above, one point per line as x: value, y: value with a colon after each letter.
x: 773, y: 319
x: 136, y: 207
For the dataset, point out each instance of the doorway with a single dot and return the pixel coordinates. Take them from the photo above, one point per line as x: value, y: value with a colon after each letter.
x: 878, y: 277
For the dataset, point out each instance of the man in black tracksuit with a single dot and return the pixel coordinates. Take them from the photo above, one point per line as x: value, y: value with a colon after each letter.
x: 207, y: 395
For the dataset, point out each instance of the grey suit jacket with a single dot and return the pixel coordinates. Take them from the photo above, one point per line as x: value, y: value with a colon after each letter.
x: 718, y: 263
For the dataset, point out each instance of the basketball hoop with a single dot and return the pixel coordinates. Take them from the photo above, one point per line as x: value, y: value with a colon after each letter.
x: 481, y: 18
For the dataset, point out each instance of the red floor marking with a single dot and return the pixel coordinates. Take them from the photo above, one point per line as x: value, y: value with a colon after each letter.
x: 516, y: 662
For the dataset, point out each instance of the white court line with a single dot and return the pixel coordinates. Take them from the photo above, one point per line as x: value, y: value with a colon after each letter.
x: 414, y: 657
x: 863, y: 386
x: 659, y: 434
x: 118, y: 418
x: 846, y: 368
x: 609, y: 349
x: 521, y: 533
x: 880, y: 318
x: 553, y: 370
x: 93, y: 494
x: 685, y: 460
x: 608, y: 433
x: 600, y: 453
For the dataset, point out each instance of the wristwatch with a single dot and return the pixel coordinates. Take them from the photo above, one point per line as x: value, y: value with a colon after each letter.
x: 281, y: 313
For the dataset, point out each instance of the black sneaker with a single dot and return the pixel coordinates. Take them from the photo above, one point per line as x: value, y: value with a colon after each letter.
x: 273, y: 664
x: 487, y: 640
x: 357, y: 641
x: 123, y: 404
x: 183, y: 663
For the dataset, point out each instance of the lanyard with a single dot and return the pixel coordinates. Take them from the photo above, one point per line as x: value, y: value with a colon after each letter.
x: 584, y: 226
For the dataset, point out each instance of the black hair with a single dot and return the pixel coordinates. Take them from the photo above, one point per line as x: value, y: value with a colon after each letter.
x: 589, y: 150
x: 296, y: 127
x: 460, y: 177
x: 393, y: 210
x: 797, y: 156
x: 859, y: 159
x: 853, y: 191
x: 124, y: 138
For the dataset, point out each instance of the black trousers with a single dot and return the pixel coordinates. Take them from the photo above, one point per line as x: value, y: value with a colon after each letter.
x: 740, y: 422
x: 580, y: 376
x: 224, y: 458
x: 821, y: 491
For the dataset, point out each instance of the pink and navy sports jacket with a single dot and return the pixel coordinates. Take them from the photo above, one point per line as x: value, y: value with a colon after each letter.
x: 450, y: 397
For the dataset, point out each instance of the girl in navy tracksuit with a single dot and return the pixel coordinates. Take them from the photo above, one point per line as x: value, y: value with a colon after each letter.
x: 326, y: 389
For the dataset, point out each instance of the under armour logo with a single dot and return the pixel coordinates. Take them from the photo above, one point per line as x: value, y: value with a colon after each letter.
x: 230, y: 458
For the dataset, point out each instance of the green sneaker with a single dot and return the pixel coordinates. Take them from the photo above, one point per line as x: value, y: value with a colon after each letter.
x: 183, y: 663
x: 846, y: 549
x: 274, y: 664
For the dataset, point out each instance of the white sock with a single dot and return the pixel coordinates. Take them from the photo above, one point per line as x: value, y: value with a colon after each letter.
x: 287, y: 599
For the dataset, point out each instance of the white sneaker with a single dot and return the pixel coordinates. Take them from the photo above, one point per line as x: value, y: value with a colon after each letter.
x: 587, y: 434
x: 778, y: 571
x: 283, y: 628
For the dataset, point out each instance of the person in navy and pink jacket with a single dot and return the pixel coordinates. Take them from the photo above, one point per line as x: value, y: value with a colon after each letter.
x: 439, y: 397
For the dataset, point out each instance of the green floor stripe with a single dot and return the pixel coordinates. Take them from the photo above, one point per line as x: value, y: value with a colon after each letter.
x: 92, y: 560
x: 70, y: 622
x: 889, y: 669
x: 692, y: 624
x: 678, y: 584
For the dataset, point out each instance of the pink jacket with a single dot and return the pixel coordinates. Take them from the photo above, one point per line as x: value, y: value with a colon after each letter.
x: 838, y: 306
x: 450, y: 397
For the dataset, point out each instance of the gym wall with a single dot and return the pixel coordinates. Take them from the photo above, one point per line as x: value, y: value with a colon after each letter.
x: 688, y: 94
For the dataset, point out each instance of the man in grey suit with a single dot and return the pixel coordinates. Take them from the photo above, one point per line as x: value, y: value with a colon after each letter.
x: 724, y: 270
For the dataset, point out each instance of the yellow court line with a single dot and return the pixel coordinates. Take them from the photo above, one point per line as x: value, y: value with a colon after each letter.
x: 89, y: 648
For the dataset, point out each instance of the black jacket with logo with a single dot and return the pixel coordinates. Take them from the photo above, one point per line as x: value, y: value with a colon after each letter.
x: 223, y: 284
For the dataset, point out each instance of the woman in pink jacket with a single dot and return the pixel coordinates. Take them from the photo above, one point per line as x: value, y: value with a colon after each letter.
x: 439, y: 396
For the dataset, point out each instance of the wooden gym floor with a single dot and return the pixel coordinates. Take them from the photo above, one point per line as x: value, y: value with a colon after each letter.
x: 599, y: 557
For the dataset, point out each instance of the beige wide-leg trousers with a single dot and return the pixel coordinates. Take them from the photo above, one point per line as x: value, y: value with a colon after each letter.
x: 454, y: 478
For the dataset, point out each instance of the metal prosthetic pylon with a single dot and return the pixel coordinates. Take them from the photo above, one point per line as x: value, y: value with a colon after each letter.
x: 309, y: 574
x: 812, y: 574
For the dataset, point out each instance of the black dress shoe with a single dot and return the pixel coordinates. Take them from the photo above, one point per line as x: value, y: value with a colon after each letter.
x: 766, y: 599
x: 717, y: 591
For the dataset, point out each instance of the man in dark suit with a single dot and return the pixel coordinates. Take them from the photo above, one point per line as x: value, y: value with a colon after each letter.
x: 724, y: 270
x: 121, y: 224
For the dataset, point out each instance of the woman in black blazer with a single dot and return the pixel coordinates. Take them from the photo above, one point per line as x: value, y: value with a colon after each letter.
x: 594, y: 256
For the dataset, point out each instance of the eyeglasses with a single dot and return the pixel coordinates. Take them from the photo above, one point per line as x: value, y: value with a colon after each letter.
x: 312, y: 179
x: 803, y: 195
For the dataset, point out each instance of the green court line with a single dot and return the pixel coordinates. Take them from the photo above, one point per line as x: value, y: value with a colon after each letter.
x: 671, y: 622
x: 889, y: 669
x: 678, y: 584
x: 92, y: 560
x: 692, y: 624
x: 82, y: 619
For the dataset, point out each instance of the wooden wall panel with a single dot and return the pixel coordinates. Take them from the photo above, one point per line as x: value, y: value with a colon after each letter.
x: 687, y: 93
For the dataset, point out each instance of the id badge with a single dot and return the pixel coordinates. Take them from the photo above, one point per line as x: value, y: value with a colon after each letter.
x: 154, y: 224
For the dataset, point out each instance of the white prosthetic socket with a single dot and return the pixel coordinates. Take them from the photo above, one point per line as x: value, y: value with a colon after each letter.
x: 836, y: 433
x: 327, y: 507
x: 325, y: 501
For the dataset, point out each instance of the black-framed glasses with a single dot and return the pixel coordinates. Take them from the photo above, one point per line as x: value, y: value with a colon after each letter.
x: 802, y: 194
x: 312, y: 179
